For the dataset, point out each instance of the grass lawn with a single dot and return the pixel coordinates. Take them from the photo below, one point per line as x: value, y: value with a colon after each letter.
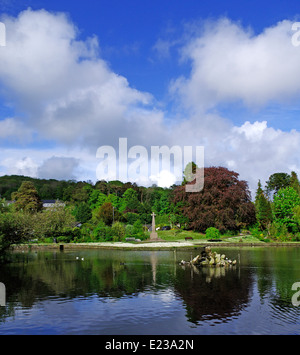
x: 173, y: 235
x: 244, y: 239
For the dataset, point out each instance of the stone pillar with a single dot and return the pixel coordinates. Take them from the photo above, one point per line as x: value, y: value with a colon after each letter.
x: 153, y: 235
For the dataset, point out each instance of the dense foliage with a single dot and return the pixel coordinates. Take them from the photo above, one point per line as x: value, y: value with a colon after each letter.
x: 113, y: 211
x: 27, y: 198
x: 278, y: 216
x: 212, y: 233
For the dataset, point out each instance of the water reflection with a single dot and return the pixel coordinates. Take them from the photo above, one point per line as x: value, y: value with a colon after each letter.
x: 213, y: 293
x: 146, y: 291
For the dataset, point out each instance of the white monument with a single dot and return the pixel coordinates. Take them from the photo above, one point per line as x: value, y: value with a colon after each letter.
x: 153, y: 235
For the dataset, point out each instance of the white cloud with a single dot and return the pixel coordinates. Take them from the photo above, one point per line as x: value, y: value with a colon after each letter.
x: 70, y: 96
x: 13, y: 130
x: 58, y: 168
x: 230, y: 63
x: 257, y: 151
x: 253, y: 132
x: 163, y: 179
x: 68, y: 93
x: 57, y: 163
x: 24, y: 166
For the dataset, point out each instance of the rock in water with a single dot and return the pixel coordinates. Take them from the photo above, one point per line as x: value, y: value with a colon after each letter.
x: 196, y: 260
x: 207, y: 250
x: 209, y: 258
x: 211, y: 261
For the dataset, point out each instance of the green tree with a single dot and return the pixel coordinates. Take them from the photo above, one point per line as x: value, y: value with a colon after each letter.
x: 27, y: 198
x: 81, y: 192
x: 259, y: 191
x: 53, y: 222
x: 15, y: 228
x: 284, y: 204
x: 118, y: 231
x: 144, y: 213
x: 138, y: 230
x: 114, y: 200
x: 296, y: 216
x: 294, y: 182
x: 137, y: 227
x: 164, y: 201
x: 129, y: 230
x: 105, y: 213
x: 93, y: 199
x: 276, y: 182
x: 82, y: 212
x: 130, y: 202
x: 131, y: 217
x: 263, y: 208
x: 67, y: 192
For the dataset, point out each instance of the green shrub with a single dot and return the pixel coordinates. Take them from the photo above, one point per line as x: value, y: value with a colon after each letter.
x: 296, y: 237
x: 100, y: 231
x: 259, y: 234
x: 279, y: 232
x: 212, y: 233
x: 118, y: 231
x: 129, y: 230
x: 108, y: 234
x: 131, y: 217
x: 138, y: 231
x: 48, y: 240
x: 63, y: 239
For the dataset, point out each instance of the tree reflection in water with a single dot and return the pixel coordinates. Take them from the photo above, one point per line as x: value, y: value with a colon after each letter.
x: 213, y: 293
x: 151, y: 280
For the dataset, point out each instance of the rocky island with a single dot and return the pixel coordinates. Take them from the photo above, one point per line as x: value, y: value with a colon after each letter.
x: 209, y: 258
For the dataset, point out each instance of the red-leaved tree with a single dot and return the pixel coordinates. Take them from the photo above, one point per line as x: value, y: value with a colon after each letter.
x: 224, y: 203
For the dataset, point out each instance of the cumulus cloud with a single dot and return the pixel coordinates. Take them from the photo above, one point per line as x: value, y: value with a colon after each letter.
x: 231, y: 63
x: 13, y: 130
x: 57, y: 163
x: 67, y: 92
x: 163, y: 179
x: 25, y: 166
x: 258, y: 151
x: 253, y: 132
x: 69, y: 96
x: 58, y: 168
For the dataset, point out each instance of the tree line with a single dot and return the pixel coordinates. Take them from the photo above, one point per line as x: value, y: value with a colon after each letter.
x: 113, y: 210
x: 277, y: 207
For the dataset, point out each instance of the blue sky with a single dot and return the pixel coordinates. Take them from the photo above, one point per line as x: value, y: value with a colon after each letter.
x: 75, y: 76
x: 129, y: 30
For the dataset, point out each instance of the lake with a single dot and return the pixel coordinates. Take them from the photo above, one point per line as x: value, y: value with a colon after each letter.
x: 113, y: 292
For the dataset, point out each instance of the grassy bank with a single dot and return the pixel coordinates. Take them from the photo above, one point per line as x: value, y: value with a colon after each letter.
x: 167, y: 240
x: 199, y: 237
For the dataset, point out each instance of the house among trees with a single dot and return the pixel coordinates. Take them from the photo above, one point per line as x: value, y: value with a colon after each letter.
x: 51, y: 203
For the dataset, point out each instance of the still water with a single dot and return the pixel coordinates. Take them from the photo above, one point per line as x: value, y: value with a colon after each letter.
x: 148, y: 292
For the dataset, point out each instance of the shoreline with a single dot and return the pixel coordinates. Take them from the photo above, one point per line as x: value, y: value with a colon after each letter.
x: 155, y: 245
